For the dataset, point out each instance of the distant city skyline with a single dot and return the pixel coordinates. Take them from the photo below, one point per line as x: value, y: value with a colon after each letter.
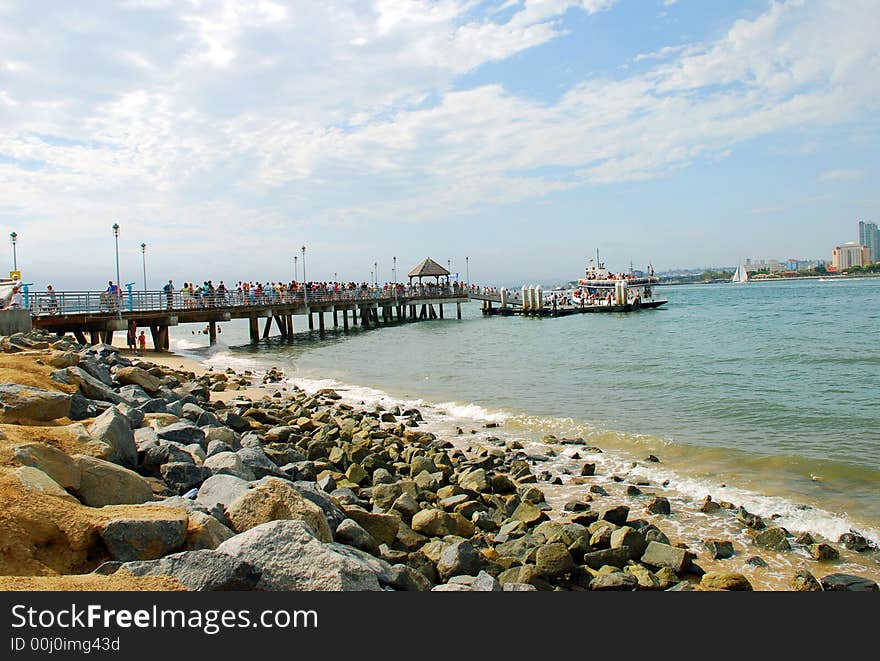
x: 521, y: 135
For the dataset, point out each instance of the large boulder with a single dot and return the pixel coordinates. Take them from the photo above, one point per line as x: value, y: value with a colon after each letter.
x: 105, y: 483
x: 218, y: 492
x: 258, y: 462
x: 616, y: 515
x: 114, y: 429
x: 614, y: 581
x: 145, y: 539
x: 351, y: 533
x: 200, y: 570
x: 719, y: 549
x: 614, y: 557
x: 181, y: 476
x: 139, y: 377
x: 459, y: 558
x: 183, y: 432
x: 631, y: 538
x: 33, y: 480
x: 273, y: 500
x: 24, y: 404
x: 290, y: 558
x: 229, y: 463
x: 848, y: 583
x: 89, y: 386
x: 663, y: 555
x: 726, y: 581
x: 804, y: 581
x: 553, y: 559
x: 52, y: 461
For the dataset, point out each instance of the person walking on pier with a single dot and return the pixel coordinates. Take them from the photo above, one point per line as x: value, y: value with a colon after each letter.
x: 169, y: 294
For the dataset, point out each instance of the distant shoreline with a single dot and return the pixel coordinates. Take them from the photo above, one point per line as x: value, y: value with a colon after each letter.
x: 781, y: 279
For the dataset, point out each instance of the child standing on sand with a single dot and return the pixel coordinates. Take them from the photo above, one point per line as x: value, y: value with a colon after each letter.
x: 142, y: 343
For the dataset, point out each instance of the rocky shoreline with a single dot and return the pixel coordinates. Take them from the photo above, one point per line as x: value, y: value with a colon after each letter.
x: 121, y: 470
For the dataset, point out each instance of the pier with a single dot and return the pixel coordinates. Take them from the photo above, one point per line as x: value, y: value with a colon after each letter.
x: 94, y: 316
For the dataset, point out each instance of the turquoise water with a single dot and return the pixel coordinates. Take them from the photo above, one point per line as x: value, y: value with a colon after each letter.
x: 771, y: 389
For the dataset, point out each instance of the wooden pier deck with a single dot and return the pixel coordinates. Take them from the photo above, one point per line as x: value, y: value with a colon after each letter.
x: 90, y: 313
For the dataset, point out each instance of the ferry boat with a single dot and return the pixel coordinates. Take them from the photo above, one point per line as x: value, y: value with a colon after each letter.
x: 620, y: 291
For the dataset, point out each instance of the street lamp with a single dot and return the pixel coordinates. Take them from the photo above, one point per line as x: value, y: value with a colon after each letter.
x: 305, y: 287
x: 144, y: 259
x: 116, y: 236
x: 295, y: 257
x: 14, y: 238
x: 394, y: 271
x: 467, y: 267
x: 335, y: 277
x: 376, y: 271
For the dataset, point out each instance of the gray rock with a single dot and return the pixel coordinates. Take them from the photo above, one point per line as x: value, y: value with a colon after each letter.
x: 219, y: 491
x: 408, y: 579
x: 134, y: 394
x: 204, y: 531
x: 614, y: 581
x: 163, y: 452
x: 155, y: 405
x: 183, y: 432
x: 200, y: 571
x: 848, y: 583
x: 95, y: 369
x: 823, y: 552
x: 143, y: 539
x: 21, y: 404
x: 663, y: 555
x: 90, y: 387
x: 351, y: 533
x: 34, y: 480
x: 235, y: 422
x: 485, y: 582
x: 114, y: 429
x: 459, y: 558
x: 229, y: 463
x: 518, y: 587
x: 855, y: 542
x: 289, y: 557
x: 81, y: 408
x: 181, y: 476
x: 554, y: 560
x: 105, y: 483
x: 135, y: 416
x: 259, y: 464
x: 216, y: 447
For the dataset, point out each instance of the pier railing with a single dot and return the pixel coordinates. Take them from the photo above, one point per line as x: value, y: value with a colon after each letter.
x: 45, y: 303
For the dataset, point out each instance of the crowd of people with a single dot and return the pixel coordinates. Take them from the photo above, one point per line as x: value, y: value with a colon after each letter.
x: 246, y: 292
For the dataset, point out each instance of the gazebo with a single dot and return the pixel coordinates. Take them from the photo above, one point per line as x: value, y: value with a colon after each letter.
x: 428, y: 268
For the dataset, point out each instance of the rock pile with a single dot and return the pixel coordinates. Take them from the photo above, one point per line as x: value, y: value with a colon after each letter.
x: 304, y: 492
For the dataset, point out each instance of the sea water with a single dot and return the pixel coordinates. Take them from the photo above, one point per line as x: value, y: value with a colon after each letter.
x: 763, y: 394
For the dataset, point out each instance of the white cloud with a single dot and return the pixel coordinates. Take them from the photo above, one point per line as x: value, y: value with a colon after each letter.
x: 846, y: 174
x: 262, y: 115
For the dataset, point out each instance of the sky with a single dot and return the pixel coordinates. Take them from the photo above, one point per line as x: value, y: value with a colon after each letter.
x: 509, y: 140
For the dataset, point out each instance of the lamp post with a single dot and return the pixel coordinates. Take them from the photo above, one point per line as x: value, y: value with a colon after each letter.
x: 116, y: 237
x: 376, y: 271
x: 467, y: 267
x: 305, y: 288
x: 335, y: 277
x: 394, y: 271
x: 144, y: 260
x: 295, y: 257
x: 14, y: 238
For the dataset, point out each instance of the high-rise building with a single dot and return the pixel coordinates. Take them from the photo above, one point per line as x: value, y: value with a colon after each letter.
x: 849, y: 255
x: 869, y: 236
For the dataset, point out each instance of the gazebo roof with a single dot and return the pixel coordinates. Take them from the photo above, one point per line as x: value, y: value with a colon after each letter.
x: 428, y: 267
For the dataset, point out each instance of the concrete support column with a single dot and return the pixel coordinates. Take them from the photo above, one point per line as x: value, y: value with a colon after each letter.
x: 321, y: 322
x: 311, y: 321
x: 212, y: 332
x: 268, y: 327
x: 441, y: 310
x: 335, y: 318
x: 254, y: 329
x: 458, y: 310
x: 345, y: 320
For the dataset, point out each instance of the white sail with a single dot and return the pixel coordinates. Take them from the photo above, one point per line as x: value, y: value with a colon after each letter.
x: 741, y: 274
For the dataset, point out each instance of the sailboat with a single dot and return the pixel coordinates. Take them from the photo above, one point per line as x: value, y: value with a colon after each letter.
x: 741, y: 274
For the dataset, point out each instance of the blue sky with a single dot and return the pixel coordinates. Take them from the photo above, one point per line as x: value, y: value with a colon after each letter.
x: 521, y: 134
